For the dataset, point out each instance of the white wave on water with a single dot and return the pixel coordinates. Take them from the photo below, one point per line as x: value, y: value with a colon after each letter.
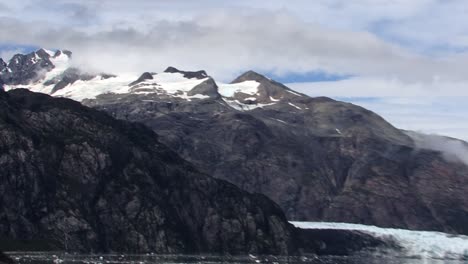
x: 419, y: 244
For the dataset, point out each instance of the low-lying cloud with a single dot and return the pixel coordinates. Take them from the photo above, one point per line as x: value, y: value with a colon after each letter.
x: 452, y: 149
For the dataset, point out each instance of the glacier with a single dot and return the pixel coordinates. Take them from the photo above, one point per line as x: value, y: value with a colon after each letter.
x: 415, y: 244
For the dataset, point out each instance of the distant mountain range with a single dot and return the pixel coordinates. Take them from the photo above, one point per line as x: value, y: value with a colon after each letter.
x: 319, y: 159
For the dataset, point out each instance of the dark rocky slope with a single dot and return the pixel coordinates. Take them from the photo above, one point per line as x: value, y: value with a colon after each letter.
x: 319, y: 159
x: 75, y: 179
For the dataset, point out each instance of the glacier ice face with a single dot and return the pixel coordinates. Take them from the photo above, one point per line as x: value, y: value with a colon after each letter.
x: 418, y: 244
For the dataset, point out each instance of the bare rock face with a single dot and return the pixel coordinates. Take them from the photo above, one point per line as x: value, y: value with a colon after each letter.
x: 208, y: 88
x: 319, y: 159
x: 69, y: 76
x: 188, y: 74
x: 77, y: 179
x: 3, y: 65
x: 145, y: 76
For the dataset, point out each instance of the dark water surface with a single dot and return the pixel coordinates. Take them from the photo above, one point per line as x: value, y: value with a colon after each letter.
x: 42, y: 258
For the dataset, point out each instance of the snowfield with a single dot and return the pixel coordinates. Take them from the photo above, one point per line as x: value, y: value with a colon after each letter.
x: 416, y: 244
x: 246, y: 87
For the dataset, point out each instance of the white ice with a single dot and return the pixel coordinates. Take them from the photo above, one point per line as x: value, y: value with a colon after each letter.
x: 243, y: 107
x: 295, y: 106
x: 422, y: 244
x: 247, y: 87
x: 274, y: 100
x: 174, y: 84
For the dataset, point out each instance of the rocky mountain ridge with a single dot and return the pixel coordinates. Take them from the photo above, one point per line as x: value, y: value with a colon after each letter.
x: 319, y: 159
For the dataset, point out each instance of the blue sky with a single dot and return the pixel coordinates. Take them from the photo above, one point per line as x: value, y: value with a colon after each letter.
x: 383, y: 49
x: 314, y: 76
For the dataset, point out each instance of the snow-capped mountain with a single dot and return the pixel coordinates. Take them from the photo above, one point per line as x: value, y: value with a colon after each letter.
x: 35, y: 67
x: 319, y: 159
x: 53, y: 73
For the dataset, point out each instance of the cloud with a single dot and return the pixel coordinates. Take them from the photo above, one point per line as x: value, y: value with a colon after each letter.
x: 225, y: 42
x: 420, y: 22
x: 7, y: 54
x: 452, y: 149
x: 4, y: 8
x: 371, y: 38
x: 384, y: 87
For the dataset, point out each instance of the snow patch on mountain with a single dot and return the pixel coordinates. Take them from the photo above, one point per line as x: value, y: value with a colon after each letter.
x: 419, y: 244
x: 61, y: 63
x: 295, y: 106
x: 247, y: 87
x: 273, y: 99
x: 173, y: 84
x: 81, y: 90
x: 289, y: 91
x: 244, y: 107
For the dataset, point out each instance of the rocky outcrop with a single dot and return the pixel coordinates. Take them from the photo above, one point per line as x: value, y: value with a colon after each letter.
x: 69, y: 76
x: 60, y: 52
x: 188, y: 74
x: 208, y: 88
x: 319, y: 159
x: 145, y: 76
x: 3, y: 65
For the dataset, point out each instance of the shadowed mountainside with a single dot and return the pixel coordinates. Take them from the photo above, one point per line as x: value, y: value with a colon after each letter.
x: 75, y: 179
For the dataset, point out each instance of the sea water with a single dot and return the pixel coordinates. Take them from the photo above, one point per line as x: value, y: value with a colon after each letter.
x: 42, y: 258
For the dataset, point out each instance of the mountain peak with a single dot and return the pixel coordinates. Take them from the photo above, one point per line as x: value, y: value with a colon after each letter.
x: 251, y: 76
x: 60, y: 52
x: 171, y: 69
x: 42, y: 53
x: 145, y: 76
x: 188, y: 74
x: 267, y: 91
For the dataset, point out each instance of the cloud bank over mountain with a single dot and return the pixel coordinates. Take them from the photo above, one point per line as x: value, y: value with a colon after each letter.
x: 227, y: 39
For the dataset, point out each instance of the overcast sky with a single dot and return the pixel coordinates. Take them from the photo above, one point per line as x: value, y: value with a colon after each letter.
x: 377, y: 50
